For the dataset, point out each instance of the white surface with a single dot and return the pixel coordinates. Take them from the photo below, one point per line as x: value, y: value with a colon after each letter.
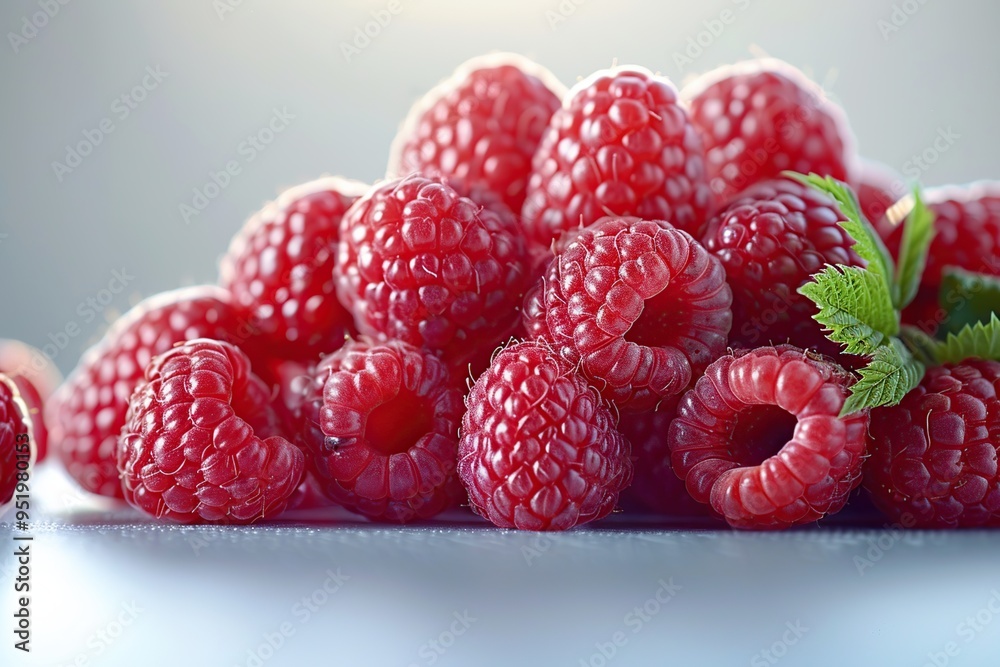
x: 166, y: 595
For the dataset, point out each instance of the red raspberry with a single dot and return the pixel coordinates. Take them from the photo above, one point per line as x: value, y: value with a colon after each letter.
x: 419, y: 263
x: 655, y: 485
x: 641, y: 306
x: 878, y: 187
x: 87, y: 413
x: 279, y: 269
x: 36, y: 378
x: 539, y: 449
x: 966, y: 235
x: 771, y: 240
x: 761, y: 117
x: 200, y: 441
x: 482, y: 125
x: 620, y: 145
x: 934, y: 456
x: 380, y: 422
x: 759, y: 438
x: 15, y: 424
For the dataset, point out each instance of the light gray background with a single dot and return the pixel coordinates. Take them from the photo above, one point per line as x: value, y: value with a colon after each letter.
x: 210, y: 594
x: 120, y: 208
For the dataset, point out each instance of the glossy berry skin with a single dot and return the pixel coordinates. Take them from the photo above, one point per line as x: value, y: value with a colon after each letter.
x: 966, y: 235
x: 761, y: 117
x: 86, y: 414
x: 279, y: 270
x: 539, y: 449
x: 771, y: 239
x: 620, y: 145
x: 36, y: 377
x: 877, y: 187
x: 419, y: 263
x: 17, y: 448
x: 655, y: 485
x: 380, y: 424
x: 482, y: 126
x: 934, y: 456
x: 200, y: 442
x: 640, y: 306
x: 759, y: 438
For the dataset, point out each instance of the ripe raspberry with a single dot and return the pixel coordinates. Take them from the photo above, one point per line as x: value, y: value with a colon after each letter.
x: 482, y: 125
x: 641, y: 306
x: 279, y: 269
x: 15, y: 448
x: 966, y: 235
x: 380, y: 423
x: 759, y: 438
x: 539, y: 449
x: 771, y: 240
x: 878, y: 187
x: 200, y: 441
x: 36, y: 378
x: 620, y: 145
x: 419, y: 263
x: 86, y: 414
x: 934, y: 456
x: 655, y: 485
x: 760, y: 117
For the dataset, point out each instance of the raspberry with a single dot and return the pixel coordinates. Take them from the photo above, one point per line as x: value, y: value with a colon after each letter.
x: 760, y: 440
x: 200, y: 442
x: 419, y: 263
x: 15, y: 424
x: 878, y: 188
x: 279, y: 269
x: 539, y: 449
x: 86, y: 414
x: 934, y: 456
x: 36, y: 378
x: 966, y: 235
x: 620, y: 145
x: 380, y: 423
x: 761, y: 117
x: 482, y: 125
x: 641, y: 306
x: 771, y: 240
x: 655, y: 487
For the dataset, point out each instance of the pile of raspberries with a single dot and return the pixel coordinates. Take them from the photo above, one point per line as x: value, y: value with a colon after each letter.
x: 558, y: 304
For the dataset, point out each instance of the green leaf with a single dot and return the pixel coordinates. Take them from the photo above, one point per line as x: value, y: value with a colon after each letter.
x: 854, y: 305
x: 887, y: 378
x: 967, y: 298
x: 980, y: 340
x: 918, y: 230
x: 924, y: 347
x: 867, y: 243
